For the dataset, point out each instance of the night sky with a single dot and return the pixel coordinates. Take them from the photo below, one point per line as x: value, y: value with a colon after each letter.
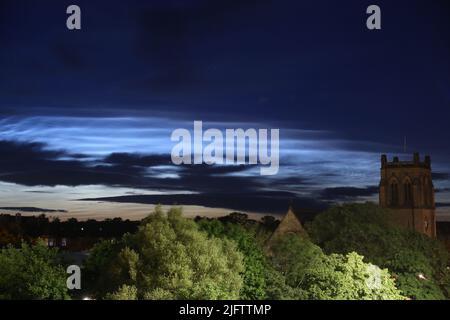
x: 88, y: 114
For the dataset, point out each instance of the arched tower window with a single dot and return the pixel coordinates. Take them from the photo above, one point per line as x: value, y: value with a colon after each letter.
x: 407, y: 193
x: 393, y: 193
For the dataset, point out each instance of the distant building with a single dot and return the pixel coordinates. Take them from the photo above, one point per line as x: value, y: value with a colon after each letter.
x: 54, y: 242
x: 406, y: 188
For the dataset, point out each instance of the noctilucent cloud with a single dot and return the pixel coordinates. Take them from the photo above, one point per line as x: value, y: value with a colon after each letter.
x: 86, y: 116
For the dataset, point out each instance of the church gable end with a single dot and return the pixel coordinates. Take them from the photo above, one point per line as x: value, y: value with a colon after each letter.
x: 290, y: 224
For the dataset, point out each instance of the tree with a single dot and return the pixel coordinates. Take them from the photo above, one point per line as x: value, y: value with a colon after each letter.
x: 277, y: 288
x: 255, y: 264
x: 6, y: 237
x: 418, y: 262
x: 124, y: 293
x: 169, y: 258
x: 100, y: 270
x: 32, y: 272
x: 315, y: 275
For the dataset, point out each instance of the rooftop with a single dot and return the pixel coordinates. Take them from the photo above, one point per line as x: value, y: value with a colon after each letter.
x: 414, y: 162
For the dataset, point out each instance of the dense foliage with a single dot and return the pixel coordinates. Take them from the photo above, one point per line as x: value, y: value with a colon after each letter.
x: 311, y: 274
x: 297, y: 269
x: 352, y: 252
x: 168, y: 258
x: 255, y: 263
x: 31, y: 272
x: 418, y: 262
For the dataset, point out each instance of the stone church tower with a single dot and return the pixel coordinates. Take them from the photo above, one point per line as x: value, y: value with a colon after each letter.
x: 407, y: 189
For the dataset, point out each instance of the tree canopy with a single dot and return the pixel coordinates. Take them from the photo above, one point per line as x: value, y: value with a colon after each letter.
x: 31, y: 272
x: 169, y: 258
x: 418, y: 262
x: 352, y: 252
x: 255, y: 264
x: 314, y: 275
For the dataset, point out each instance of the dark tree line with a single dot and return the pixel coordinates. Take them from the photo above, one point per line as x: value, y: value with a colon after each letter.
x: 15, y: 228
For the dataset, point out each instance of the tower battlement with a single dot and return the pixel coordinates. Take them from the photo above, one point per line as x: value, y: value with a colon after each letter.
x: 414, y: 162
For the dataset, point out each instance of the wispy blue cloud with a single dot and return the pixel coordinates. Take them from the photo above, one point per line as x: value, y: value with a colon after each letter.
x: 313, y: 163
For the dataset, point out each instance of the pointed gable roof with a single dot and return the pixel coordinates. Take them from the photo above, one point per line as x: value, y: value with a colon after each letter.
x: 289, y: 224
